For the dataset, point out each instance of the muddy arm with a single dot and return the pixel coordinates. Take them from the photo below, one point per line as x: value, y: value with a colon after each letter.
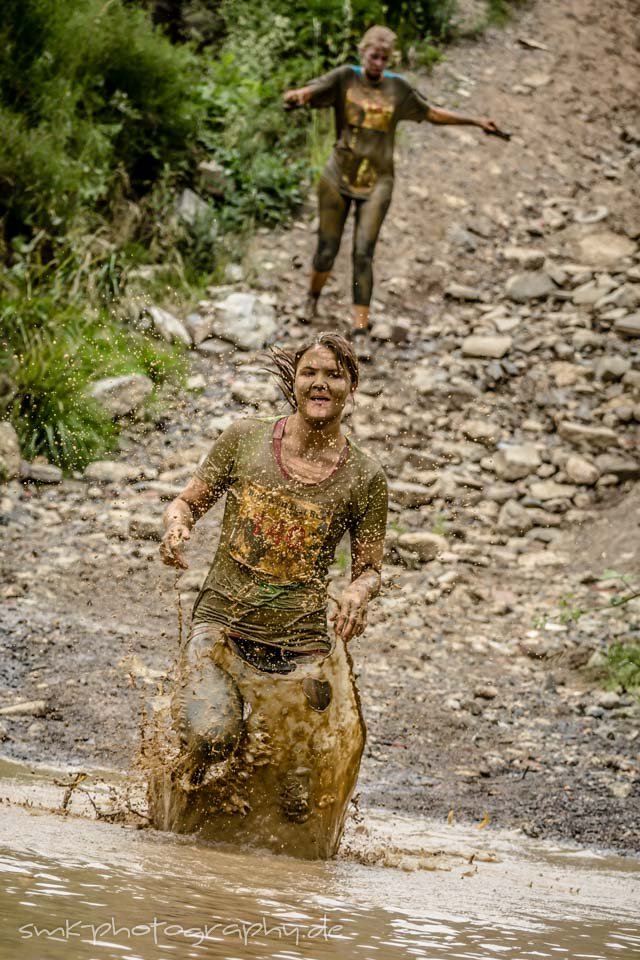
x: 437, y: 115
x: 180, y: 516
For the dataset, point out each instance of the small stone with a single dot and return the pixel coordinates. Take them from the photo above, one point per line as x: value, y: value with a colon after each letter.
x: 482, y: 431
x: 169, y: 327
x: 485, y: 691
x: 550, y: 490
x: 523, y: 287
x: 110, y: 471
x: 39, y: 472
x: 607, y: 699
x: 609, y: 369
x: 514, y: 519
x: 486, y: 346
x: 4, y: 733
x: 459, y: 291
x: 628, y: 326
x: 425, y: 545
x: 587, y: 435
x: 621, y: 467
x: 121, y: 396
x: 516, y: 462
x: 581, y: 471
x: 408, y: 494
x: 526, y: 257
x: 193, y: 209
x: 25, y: 708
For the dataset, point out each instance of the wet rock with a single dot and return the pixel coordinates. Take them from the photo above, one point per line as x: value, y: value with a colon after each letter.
x: 624, y: 468
x: 9, y: 452
x: 516, y: 462
x: 486, y: 346
x: 581, y: 470
x: 169, y: 327
x: 426, y: 546
x: 550, y: 490
x: 587, y: 434
x: 110, y: 471
x: 535, y: 285
x: 121, y: 396
x: 604, y: 248
x: 628, y: 326
x: 246, y: 320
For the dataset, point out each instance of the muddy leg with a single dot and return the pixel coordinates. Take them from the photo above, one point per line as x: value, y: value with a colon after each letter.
x: 206, y: 708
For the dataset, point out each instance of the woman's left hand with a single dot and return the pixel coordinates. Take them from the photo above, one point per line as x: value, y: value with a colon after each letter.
x: 350, y: 619
x: 489, y: 126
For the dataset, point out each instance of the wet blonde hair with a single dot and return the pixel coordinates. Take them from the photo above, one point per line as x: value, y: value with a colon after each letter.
x: 377, y: 37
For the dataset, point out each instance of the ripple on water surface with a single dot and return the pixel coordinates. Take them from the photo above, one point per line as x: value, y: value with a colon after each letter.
x: 84, y: 891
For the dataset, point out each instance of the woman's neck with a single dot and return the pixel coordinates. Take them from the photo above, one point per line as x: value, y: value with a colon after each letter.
x: 306, y: 438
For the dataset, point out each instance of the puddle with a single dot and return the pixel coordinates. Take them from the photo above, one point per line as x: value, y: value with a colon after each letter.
x: 75, y: 888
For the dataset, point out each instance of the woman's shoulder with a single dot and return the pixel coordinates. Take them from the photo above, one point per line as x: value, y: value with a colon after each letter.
x: 366, y: 465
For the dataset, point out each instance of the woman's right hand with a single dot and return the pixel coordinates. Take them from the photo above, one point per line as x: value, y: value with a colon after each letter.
x: 172, y: 545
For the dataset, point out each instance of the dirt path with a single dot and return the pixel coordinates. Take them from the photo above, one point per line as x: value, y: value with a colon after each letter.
x: 473, y: 684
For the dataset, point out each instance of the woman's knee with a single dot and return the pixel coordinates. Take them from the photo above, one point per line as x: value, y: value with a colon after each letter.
x: 325, y: 255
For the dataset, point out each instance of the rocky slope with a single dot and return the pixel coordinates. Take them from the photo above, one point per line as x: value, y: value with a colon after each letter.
x: 503, y: 398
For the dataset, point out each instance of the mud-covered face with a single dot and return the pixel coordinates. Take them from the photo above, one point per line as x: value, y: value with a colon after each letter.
x: 321, y: 386
x: 375, y: 60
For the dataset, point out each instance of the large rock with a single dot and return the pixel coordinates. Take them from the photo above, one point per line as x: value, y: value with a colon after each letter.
x: 516, y: 462
x: 169, y: 327
x: 246, y: 320
x: 514, y: 519
x: 487, y: 347
x: 425, y: 545
x: 254, y: 392
x: 581, y: 471
x: 110, y: 471
x: 120, y: 396
x: 604, y: 248
x: 41, y: 472
x: 532, y: 285
x: 192, y: 210
x: 628, y: 326
x: 550, y: 490
x: 9, y: 452
x: 588, y: 435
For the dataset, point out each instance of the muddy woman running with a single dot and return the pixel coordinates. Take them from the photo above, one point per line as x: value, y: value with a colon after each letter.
x: 265, y: 711
x: 368, y: 102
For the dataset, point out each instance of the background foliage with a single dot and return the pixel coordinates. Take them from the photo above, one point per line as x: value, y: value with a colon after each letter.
x: 106, y: 111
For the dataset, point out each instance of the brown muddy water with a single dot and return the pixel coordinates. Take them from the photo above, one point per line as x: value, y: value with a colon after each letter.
x: 71, y: 887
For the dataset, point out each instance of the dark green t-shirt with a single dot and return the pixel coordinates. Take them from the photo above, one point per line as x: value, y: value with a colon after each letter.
x: 366, y: 115
x: 268, y: 579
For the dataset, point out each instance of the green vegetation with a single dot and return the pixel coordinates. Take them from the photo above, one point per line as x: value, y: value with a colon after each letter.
x: 107, y: 111
x: 622, y: 668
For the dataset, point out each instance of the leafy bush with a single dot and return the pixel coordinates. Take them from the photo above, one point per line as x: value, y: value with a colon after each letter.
x: 623, y: 667
x: 51, y: 355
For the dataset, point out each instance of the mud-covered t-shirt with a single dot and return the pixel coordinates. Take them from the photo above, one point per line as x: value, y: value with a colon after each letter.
x: 366, y: 115
x: 268, y: 579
